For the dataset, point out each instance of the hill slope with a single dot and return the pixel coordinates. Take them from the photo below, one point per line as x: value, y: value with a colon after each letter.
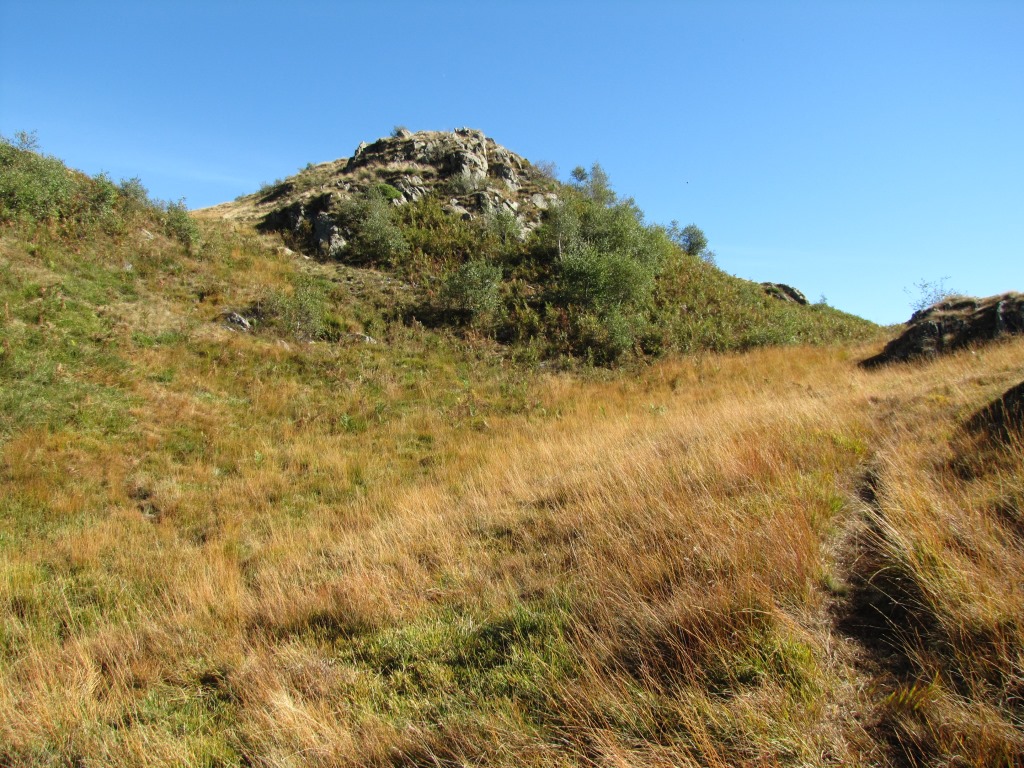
x: 496, y: 247
x: 292, y: 546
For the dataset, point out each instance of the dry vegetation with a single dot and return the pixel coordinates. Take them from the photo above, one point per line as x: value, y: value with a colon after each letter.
x: 221, y: 548
x: 636, y: 571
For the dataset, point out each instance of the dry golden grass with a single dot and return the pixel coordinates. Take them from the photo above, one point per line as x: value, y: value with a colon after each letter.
x: 317, y: 554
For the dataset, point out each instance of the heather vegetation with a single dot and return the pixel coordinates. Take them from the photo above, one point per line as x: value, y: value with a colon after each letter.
x: 362, y: 533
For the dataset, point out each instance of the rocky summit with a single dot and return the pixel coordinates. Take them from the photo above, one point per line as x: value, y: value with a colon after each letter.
x: 952, y: 324
x: 472, y: 173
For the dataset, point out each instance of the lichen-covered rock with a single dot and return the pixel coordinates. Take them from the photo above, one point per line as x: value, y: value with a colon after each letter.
x: 327, y: 235
x: 784, y: 292
x: 472, y: 173
x: 952, y: 324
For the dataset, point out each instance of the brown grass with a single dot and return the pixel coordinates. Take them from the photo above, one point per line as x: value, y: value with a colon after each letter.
x: 320, y: 554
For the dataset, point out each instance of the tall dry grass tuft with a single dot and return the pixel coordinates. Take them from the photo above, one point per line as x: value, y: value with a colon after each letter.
x: 947, y: 555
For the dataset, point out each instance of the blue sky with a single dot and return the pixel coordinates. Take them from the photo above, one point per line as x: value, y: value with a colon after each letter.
x: 851, y: 149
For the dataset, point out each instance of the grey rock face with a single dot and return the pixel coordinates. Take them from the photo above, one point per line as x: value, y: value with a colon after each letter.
x: 327, y: 236
x: 952, y: 324
x: 543, y: 202
x: 471, y: 173
x: 412, y: 187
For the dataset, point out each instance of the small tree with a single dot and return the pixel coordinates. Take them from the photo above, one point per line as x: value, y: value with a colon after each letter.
x: 690, y: 238
x: 369, y: 223
x: 929, y: 292
x: 473, y: 290
x: 594, y: 183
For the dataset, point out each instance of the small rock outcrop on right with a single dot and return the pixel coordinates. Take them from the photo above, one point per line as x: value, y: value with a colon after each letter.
x: 952, y: 324
x: 1003, y: 417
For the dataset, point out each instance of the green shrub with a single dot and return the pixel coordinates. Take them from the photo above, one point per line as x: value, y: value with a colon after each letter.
x: 33, y: 186
x: 385, y: 191
x: 602, y: 280
x: 473, y: 291
x: 181, y: 226
x: 608, y: 257
x: 690, y: 238
x: 303, y: 313
x: 438, y: 240
x: 134, y: 194
x: 103, y: 195
x: 38, y: 188
x: 606, y: 262
x: 505, y: 228
x: 370, y: 228
x: 604, y: 338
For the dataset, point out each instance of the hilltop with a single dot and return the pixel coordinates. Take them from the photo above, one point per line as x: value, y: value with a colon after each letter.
x: 490, y: 244
x: 470, y: 172
x: 259, y: 508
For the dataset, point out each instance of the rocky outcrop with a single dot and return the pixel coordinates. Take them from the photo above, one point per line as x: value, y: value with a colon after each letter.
x: 784, y: 292
x: 1002, y: 417
x: 462, y: 153
x: 952, y: 324
x: 470, y: 173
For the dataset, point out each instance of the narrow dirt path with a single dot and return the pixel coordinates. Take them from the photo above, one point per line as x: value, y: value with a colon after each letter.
x: 863, y: 650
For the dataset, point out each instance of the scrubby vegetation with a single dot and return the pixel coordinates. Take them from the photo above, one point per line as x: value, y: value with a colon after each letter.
x: 292, y: 546
x: 39, y: 190
x: 593, y: 282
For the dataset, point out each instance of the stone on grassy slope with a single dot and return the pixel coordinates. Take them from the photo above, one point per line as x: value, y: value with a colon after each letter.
x: 784, y: 292
x: 1003, y: 417
x: 952, y: 324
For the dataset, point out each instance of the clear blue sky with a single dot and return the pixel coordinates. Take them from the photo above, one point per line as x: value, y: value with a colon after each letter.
x: 851, y: 149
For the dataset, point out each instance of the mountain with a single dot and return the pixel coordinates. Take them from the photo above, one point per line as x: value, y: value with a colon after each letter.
x: 489, y: 243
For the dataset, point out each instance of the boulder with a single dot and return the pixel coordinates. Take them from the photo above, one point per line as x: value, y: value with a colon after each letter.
x: 952, y: 324
x: 1002, y: 417
x: 411, y: 187
x: 327, y: 236
x: 235, y: 321
x: 784, y: 292
x: 508, y: 175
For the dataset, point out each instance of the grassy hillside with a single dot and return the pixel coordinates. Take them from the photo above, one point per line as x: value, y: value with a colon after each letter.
x: 293, y: 546
x: 562, y: 271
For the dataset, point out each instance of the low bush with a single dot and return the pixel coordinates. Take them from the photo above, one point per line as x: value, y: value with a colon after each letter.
x: 302, y: 312
x: 472, y: 292
x: 181, y: 226
x: 370, y: 229
x: 36, y: 188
